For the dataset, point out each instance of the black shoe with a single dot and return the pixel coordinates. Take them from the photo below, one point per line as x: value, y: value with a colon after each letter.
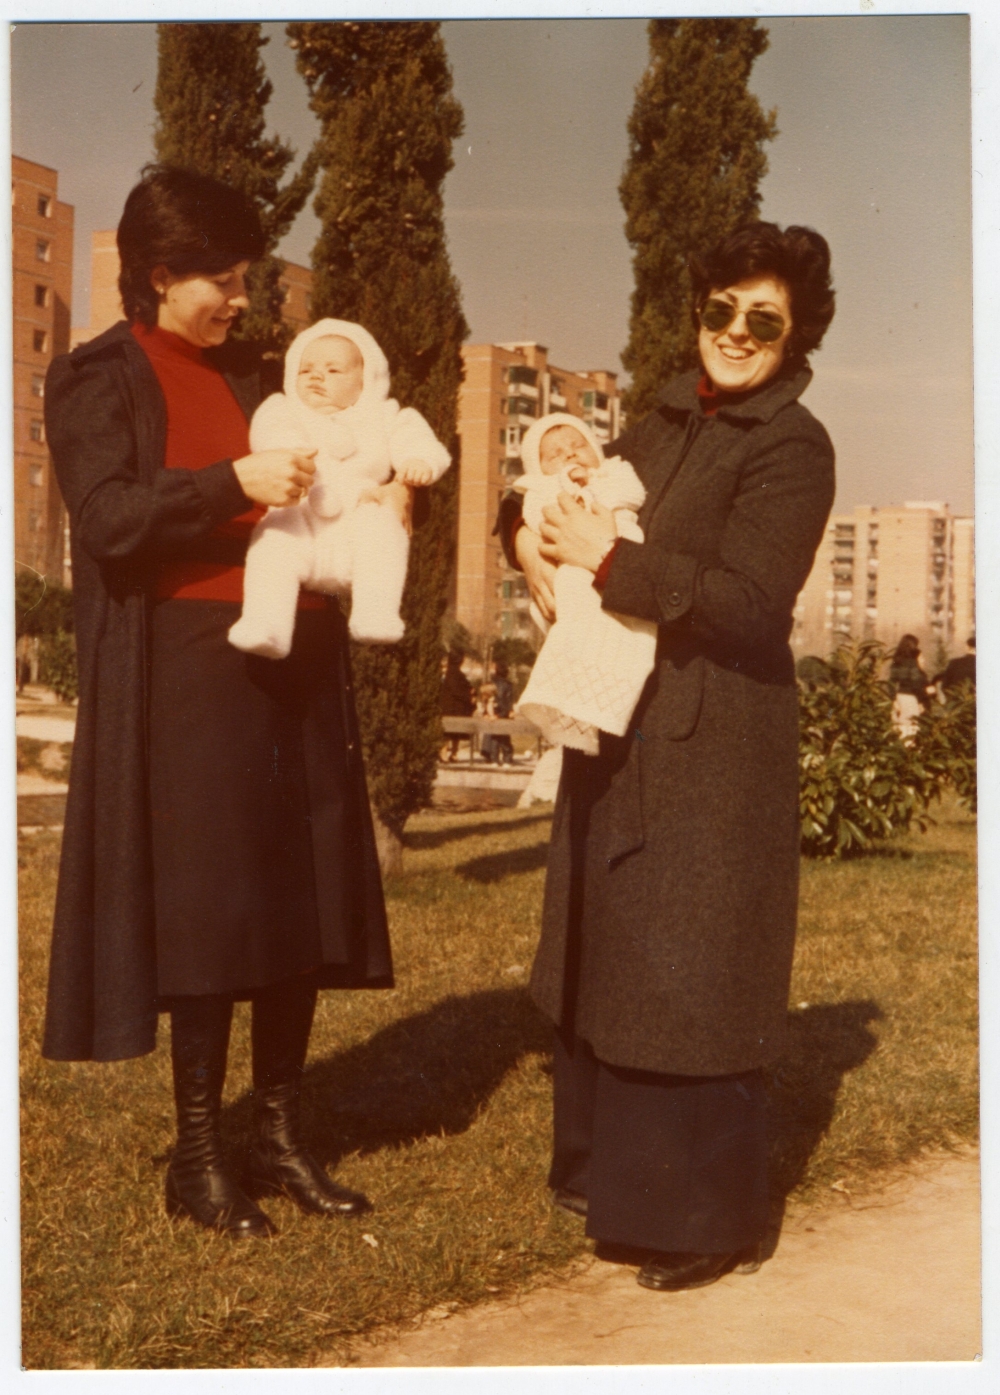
x: 669, y: 1271
x: 199, y: 1183
x: 570, y: 1201
x: 279, y: 1162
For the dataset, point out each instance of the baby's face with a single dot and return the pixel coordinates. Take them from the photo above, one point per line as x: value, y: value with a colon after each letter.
x: 331, y: 374
x: 562, y: 448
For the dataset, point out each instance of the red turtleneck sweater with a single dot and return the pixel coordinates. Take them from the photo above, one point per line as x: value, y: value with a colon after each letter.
x: 205, y: 424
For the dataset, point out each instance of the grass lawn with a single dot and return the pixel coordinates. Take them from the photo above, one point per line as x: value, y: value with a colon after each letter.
x: 434, y: 1099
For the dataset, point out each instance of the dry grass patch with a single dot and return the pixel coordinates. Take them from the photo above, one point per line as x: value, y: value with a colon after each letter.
x: 434, y: 1099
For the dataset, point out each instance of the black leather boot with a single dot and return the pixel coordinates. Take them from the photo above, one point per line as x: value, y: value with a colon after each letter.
x: 199, y: 1182
x: 282, y: 1019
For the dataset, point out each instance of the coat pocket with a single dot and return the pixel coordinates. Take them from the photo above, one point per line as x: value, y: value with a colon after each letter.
x: 682, y: 687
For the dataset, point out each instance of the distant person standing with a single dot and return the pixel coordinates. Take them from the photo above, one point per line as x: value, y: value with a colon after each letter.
x: 499, y: 748
x: 959, y: 671
x: 910, y: 686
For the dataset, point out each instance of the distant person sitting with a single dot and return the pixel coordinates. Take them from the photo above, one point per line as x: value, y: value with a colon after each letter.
x: 456, y: 696
x: 959, y: 671
x: 910, y: 686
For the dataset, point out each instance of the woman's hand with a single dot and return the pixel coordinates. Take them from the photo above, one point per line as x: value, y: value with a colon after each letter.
x: 399, y: 496
x: 539, y: 574
x: 276, y: 478
x: 575, y: 534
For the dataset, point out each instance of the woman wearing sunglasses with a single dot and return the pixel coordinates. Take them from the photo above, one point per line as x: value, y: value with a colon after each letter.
x: 670, y: 902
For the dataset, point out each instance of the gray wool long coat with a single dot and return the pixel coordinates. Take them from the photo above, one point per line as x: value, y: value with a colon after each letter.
x: 670, y: 901
x: 106, y: 423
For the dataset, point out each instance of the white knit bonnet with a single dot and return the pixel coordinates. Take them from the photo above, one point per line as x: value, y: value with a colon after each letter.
x: 533, y: 439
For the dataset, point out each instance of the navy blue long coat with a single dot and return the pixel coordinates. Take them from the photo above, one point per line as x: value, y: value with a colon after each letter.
x: 106, y: 424
x: 670, y: 900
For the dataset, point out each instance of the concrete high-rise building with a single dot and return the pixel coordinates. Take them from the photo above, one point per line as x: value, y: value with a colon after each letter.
x: 881, y: 573
x: 43, y: 293
x: 506, y: 388
x: 106, y: 305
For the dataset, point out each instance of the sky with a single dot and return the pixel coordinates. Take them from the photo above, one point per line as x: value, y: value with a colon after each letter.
x: 873, y: 150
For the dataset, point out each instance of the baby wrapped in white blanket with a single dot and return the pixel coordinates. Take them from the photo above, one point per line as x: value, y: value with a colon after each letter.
x: 342, y: 538
x: 593, y: 665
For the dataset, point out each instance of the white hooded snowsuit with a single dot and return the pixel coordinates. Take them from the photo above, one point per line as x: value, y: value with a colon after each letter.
x: 338, y: 539
x: 592, y: 668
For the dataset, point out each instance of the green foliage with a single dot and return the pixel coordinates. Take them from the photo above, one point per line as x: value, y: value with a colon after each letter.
x: 696, y: 159
x: 454, y: 635
x: 41, y: 607
x: 57, y: 665
x: 946, y: 742
x: 211, y: 92
x: 858, y: 782
x: 383, y: 94
x: 515, y: 652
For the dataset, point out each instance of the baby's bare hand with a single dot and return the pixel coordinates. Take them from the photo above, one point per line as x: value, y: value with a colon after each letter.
x: 276, y: 478
x: 415, y: 472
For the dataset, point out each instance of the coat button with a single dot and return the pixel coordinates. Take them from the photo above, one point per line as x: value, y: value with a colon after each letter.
x: 674, y: 598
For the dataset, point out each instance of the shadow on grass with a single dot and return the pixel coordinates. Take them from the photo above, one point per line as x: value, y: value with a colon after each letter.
x: 824, y: 1043
x: 421, y: 839
x: 493, y: 867
x: 427, y: 1074
x: 432, y: 1073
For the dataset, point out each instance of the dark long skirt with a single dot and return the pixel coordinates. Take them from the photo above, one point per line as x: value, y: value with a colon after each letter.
x: 666, y: 1162
x: 261, y: 840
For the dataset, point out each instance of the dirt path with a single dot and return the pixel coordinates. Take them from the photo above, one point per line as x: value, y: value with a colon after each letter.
x: 892, y: 1276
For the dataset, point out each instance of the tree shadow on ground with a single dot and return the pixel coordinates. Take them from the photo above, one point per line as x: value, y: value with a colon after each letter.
x: 425, y: 1075
x: 824, y: 1043
x: 424, y: 838
x: 494, y: 867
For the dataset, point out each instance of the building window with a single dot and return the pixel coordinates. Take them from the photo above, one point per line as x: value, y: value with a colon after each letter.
x: 37, y: 385
x: 41, y: 295
x: 44, y: 206
x: 37, y: 431
x: 503, y: 436
x: 588, y: 399
x: 34, y: 519
x: 34, y: 474
x: 43, y: 250
x: 39, y: 338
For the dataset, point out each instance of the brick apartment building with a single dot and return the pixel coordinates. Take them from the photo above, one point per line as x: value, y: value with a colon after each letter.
x: 881, y: 573
x: 43, y: 292
x: 506, y: 388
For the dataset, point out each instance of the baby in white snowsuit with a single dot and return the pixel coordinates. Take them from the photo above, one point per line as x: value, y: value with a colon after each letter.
x: 593, y: 665
x: 340, y: 539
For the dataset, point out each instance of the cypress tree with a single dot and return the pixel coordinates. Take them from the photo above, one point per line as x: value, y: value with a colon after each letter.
x: 383, y: 94
x: 211, y: 93
x: 696, y: 159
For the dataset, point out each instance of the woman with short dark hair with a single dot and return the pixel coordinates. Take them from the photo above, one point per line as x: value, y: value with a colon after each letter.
x: 670, y: 899
x: 218, y: 843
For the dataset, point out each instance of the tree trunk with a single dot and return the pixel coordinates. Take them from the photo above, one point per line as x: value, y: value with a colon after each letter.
x: 390, y: 848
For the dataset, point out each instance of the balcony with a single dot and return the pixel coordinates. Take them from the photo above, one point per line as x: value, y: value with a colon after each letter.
x: 557, y: 400
x: 524, y: 390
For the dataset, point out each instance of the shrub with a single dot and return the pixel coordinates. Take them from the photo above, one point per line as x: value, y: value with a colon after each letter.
x: 41, y: 607
x: 858, y: 782
x: 57, y: 667
x: 946, y: 742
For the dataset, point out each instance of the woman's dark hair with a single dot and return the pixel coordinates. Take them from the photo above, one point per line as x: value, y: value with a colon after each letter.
x: 799, y: 256
x: 906, y: 650
x: 186, y: 222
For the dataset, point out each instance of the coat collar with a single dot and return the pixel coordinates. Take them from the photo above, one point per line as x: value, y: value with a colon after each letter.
x: 682, y: 395
x: 236, y: 362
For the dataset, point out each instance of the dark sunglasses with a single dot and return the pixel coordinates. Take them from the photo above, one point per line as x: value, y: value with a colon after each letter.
x: 764, y: 325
